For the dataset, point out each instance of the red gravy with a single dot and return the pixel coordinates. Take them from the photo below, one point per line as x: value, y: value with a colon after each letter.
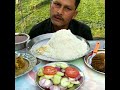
x: 20, y: 38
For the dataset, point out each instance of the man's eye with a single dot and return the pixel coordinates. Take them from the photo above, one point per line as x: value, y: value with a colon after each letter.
x: 57, y: 4
x: 67, y: 8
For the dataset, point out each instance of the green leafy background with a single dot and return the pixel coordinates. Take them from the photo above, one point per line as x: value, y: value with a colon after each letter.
x: 30, y: 12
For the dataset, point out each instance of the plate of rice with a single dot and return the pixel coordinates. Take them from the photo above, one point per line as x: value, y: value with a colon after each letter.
x: 59, y: 46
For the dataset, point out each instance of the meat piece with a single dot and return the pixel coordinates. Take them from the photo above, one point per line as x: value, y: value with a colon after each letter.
x: 98, y: 62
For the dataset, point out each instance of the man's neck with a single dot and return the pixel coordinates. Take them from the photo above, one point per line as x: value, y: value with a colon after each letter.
x: 56, y: 28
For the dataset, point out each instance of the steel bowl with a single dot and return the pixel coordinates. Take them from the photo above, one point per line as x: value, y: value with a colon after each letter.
x: 21, y: 40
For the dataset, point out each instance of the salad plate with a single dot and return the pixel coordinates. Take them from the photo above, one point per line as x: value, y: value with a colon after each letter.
x: 29, y: 62
x: 62, y: 79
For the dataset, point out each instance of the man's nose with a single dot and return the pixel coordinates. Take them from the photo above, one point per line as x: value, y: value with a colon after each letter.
x: 60, y: 11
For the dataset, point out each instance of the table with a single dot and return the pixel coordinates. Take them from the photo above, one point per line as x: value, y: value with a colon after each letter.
x: 93, y: 80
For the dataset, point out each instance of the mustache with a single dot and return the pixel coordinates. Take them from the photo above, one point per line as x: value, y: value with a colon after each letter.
x: 58, y: 16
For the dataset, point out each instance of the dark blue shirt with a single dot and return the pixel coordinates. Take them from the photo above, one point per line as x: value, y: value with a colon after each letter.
x: 76, y: 27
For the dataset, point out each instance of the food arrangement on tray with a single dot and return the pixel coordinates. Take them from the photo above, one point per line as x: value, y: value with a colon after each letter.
x: 59, y: 46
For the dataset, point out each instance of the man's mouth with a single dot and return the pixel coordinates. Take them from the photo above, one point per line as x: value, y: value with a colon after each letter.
x: 56, y: 17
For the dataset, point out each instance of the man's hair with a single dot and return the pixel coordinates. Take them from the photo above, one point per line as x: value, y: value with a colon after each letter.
x: 77, y: 3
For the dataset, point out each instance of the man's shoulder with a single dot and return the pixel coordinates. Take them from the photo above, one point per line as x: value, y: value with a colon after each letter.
x: 40, y: 28
x: 79, y: 23
x: 81, y: 29
x: 44, y: 22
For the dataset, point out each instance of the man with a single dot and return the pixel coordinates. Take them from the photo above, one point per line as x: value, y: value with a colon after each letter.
x: 62, y: 14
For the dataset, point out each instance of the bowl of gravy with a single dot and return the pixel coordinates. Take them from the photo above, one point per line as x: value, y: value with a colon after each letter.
x: 21, y: 40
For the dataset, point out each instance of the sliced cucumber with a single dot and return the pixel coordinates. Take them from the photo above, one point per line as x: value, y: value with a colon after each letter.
x: 56, y: 79
x: 40, y: 72
x: 60, y: 73
x: 65, y: 82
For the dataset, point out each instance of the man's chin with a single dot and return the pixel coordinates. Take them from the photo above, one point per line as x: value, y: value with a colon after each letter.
x: 59, y: 24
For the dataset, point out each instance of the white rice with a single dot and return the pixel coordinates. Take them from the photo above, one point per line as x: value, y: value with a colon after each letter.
x: 63, y: 45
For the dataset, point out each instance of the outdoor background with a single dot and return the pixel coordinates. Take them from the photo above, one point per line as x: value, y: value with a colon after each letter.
x: 30, y: 12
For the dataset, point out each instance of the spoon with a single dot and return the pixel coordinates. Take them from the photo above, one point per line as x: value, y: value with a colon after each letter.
x: 94, y: 51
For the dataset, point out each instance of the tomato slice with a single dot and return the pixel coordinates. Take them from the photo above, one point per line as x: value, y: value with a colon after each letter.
x: 71, y: 72
x: 49, y: 70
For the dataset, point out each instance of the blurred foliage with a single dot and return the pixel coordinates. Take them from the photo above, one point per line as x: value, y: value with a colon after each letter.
x: 30, y: 12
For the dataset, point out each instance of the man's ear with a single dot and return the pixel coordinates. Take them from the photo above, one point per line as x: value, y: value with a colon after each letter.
x: 75, y: 13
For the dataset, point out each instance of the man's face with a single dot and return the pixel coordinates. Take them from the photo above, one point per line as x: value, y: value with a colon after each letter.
x: 62, y: 11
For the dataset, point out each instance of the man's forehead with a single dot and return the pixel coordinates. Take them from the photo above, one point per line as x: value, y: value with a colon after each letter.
x: 66, y: 2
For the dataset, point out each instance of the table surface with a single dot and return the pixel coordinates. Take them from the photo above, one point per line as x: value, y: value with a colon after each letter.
x: 93, y: 80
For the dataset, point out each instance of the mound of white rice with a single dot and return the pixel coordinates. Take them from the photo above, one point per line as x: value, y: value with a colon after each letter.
x: 63, y: 45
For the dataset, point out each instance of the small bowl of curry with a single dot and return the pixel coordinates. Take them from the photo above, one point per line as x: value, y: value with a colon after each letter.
x: 21, y: 40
